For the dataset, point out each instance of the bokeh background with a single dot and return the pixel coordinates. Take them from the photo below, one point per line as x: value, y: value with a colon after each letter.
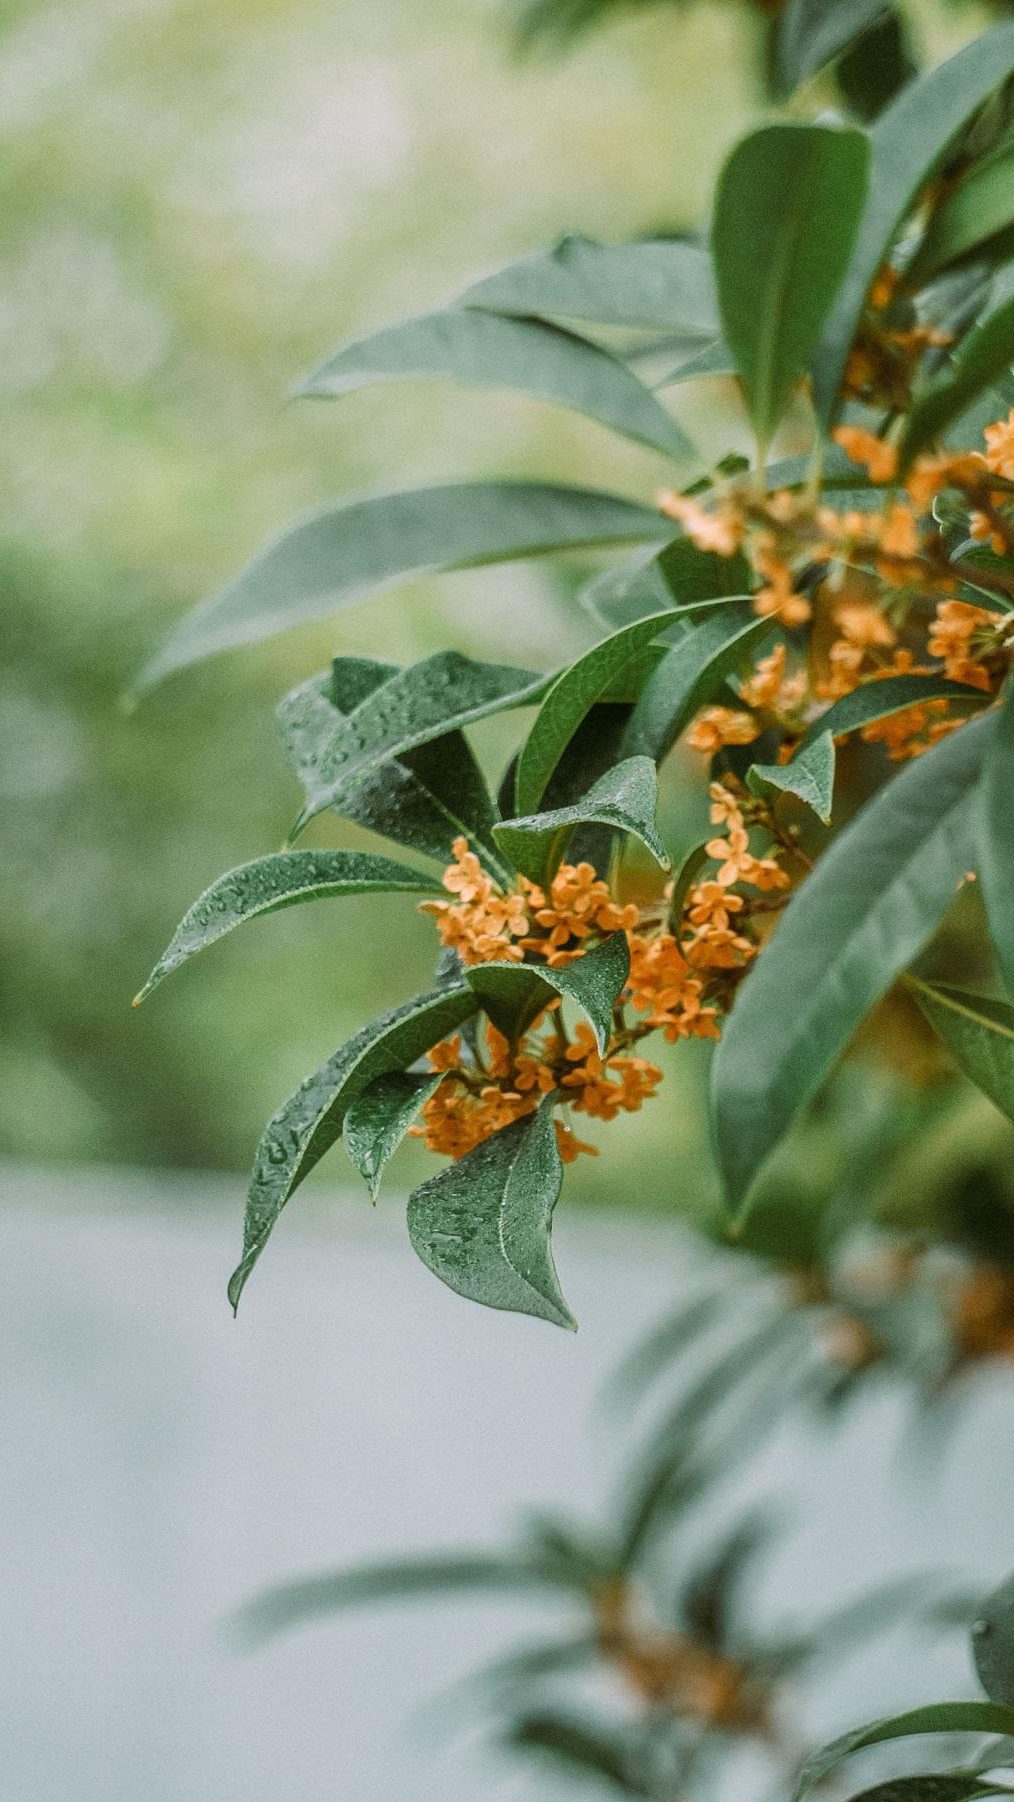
x: 197, y: 203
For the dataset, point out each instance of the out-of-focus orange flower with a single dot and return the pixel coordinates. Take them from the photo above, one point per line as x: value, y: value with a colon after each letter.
x: 719, y: 529
x: 874, y: 454
x: 715, y: 727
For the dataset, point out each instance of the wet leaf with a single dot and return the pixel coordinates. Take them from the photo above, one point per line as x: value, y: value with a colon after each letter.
x: 378, y: 1119
x: 982, y: 357
x: 786, y: 215
x: 625, y: 798
x: 347, y: 550
x: 484, y: 349
x: 482, y: 1225
x: 874, y: 899
x: 809, y: 775
x: 308, y: 1124
x: 939, y: 1717
x: 878, y: 700
x: 996, y: 837
x: 677, y: 576
x: 283, y: 880
x: 979, y: 1034
x: 513, y: 995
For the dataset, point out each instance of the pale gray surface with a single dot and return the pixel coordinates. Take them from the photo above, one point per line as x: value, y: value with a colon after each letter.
x: 162, y: 1462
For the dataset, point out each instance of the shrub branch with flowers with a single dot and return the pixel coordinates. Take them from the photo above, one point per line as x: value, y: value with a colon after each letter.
x: 829, y: 637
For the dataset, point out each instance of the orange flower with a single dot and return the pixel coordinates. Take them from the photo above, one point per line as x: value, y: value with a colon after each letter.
x: 719, y: 530
x: 777, y: 599
x: 482, y: 925
x: 999, y: 457
x: 570, y: 1146
x: 714, y: 727
x: 578, y: 904
x: 875, y: 455
x: 930, y: 475
x: 951, y: 633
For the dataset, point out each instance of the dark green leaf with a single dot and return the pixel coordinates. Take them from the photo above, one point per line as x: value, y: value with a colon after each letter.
x: 665, y: 283
x: 939, y: 1717
x: 486, y: 350
x: 426, y: 701
x: 811, y: 33
x: 513, y: 995
x: 984, y: 355
x: 409, y: 1579
x: 424, y: 799
x: 878, y: 700
x: 979, y: 1034
x: 690, y: 675
x: 968, y: 216
x: 345, y: 551
x: 378, y: 1119
x: 808, y: 775
x: 679, y: 575
x: 876, y: 67
x: 283, y: 880
x: 786, y: 215
x: 686, y: 876
x: 624, y: 797
x: 992, y: 1634
x: 996, y: 837
x: 874, y: 899
x: 573, y: 695
x: 307, y: 1125
x: 578, y: 1744
x: 908, y: 143
x: 932, y: 1786
x: 482, y: 1225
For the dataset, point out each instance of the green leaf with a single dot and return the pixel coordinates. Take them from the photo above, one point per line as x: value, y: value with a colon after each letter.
x: 378, y: 1119
x: 878, y: 700
x: 690, y: 675
x: 283, y: 880
x: 786, y: 215
x: 573, y: 695
x: 939, y: 1717
x: 996, y: 837
x: 679, y: 575
x: 932, y: 1786
x: 624, y: 797
x: 482, y: 1225
x: 348, y: 550
x: 809, y: 775
x: 875, y: 897
x: 665, y: 283
x: 908, y: 143
x: 992, y: 1631
x: 427, y: 700
x: 811, y: 33
x: 984, y: 355
x: 480, y: 349
x: 308, y: 1124
x: 513, y: 995
x: 685, y: 877
x: 715, y: 359
x: 979, y: 208
x: 581, y: 1745
x: 979, y: 1034
x: 424, y: 799
x: 291, y: 1604
x: 876, y: 67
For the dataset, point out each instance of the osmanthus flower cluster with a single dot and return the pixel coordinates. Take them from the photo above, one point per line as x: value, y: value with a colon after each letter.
x: 832, y: 632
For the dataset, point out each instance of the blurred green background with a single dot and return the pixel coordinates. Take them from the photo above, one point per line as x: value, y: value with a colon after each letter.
x: 198, y: 202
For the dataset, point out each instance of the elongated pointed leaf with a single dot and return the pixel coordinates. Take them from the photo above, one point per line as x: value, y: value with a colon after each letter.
x: 513, y: 995
x: 308, y: 1124
x: 908, y: 143
x: 405, y: 1579
x: 811, y: 33
x: 690, y: 675
x: 981, y: 358
x: 809, y: 775
x: 878, y: 700
x: 571, y: 698
x: 283, y: 880
x: 996, y: 838
x: 679, y: 576
x: 715, y: 359
x: 932, y: 1786
x: 625, y: 798
x: 979, y: 1034
x: 876, y: 66
x: 351, y: 549
x: 378, y: 1119
x: 939, y: 1717
x: 487, y: 350
x: 992, y: 1637
x: 874, y: 899
x: 788, y: 207
x: 424, y: 799
x: 482, y: 1225
x: 427, y: 700
x: 664, y: 283
x: 580, y: 1744
x: 979, y: 208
